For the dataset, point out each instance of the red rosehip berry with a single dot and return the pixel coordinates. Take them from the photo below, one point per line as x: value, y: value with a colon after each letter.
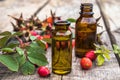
x: 46, y: 36
x: 43, y: 71
x: 91, y: 55
x: 85, y: 63
x: 57, y: 44
x: 63, y: 44
x: 46, y: 45
x: 50, y: 25
x: 73, y: 43
x: 50, y: 20
x: 33, y: 33
x: 39, y: 37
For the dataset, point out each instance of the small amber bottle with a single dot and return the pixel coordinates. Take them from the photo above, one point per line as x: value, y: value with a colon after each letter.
x: 61, y: 48
x: 85, y: 30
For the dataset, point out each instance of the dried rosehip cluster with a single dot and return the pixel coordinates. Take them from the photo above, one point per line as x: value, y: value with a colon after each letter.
x: 34, y: 26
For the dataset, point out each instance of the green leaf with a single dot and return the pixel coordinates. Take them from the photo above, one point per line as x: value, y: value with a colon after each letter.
x: 20, y: 51
x: 98, y: 51
x: 36, y: 54
x: 28, y: 68
x: 32, y: 38
x: 9, y: 50
x: 36, y: 47
x: 3, y: 41
x: 119, y: 55
x: 48, y: 40
x: 6, y: 33
x: 104, y: 49
x: 100, y: 60
x: 21, y: 59
x: 41, y: 44
x: 116, y: 49
x: 17, y: 34
x: 34, y: 44
x: 9, y: 62
x: 97, y: 46
x: 37, y: 58
x: 106, y: 55
x: 12, y: 45
x: 71, y: 20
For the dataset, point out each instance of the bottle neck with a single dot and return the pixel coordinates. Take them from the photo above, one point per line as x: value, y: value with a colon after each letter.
x: 86, y: 14
x: 61, y: 28
x: 61, y: 25
x: 86, y: 10
x: 86, y: 7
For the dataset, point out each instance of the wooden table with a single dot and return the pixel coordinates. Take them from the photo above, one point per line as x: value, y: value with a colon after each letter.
x: 107, y: 9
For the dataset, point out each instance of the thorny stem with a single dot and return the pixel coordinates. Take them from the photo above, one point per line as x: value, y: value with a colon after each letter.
x: 20, y: 41
x: 22, y: 45
x: 25, y: 52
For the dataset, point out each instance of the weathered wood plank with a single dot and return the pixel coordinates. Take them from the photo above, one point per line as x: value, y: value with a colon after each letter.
x: 15, y: 8
x: 111, y: 10
x: 106, y: 72
x: 108, y: 26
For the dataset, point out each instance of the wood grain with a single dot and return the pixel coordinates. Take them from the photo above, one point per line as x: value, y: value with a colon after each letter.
x: 109, y: 27
x: 15, y: 8
x: 66, y: 9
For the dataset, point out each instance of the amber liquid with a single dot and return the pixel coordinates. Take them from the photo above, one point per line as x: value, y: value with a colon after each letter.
x: 61, y: 54
x: 85, y: 36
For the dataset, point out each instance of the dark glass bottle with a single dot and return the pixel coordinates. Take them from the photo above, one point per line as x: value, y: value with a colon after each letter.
x: 61, y: 48
x: 85, y: 30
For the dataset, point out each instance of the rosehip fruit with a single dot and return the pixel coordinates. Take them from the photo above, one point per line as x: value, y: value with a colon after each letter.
x: 39, y: 37
x: 85, y: 63
x: 50, y: 20
x: 73, y: 43
x: 91, y: 55
x: 63, y: 44
x: 33, y: 33
x: 43, y: 71
x: 46, y: 36
x: 46, y: 45
x: 57, y: 44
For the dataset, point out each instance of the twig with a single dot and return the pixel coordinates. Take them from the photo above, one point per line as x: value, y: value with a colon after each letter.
x: 107, y: 25
x: 41, y: 7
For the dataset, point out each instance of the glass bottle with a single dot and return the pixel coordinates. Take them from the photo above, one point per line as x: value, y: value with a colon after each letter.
x: 61, y: 48
x: 85, y: 30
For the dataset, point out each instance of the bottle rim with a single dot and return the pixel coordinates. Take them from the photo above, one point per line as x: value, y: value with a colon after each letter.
x: 86, y: 13
x: 61, y: 23
x: 87, y: 4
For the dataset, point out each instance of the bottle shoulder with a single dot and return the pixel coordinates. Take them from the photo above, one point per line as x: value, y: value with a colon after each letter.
x: 89, y: 20
x: 62, y: 33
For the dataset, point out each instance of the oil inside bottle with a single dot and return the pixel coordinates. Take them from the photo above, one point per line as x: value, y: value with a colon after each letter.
x: 61, y: 51
x: 85, y: 30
